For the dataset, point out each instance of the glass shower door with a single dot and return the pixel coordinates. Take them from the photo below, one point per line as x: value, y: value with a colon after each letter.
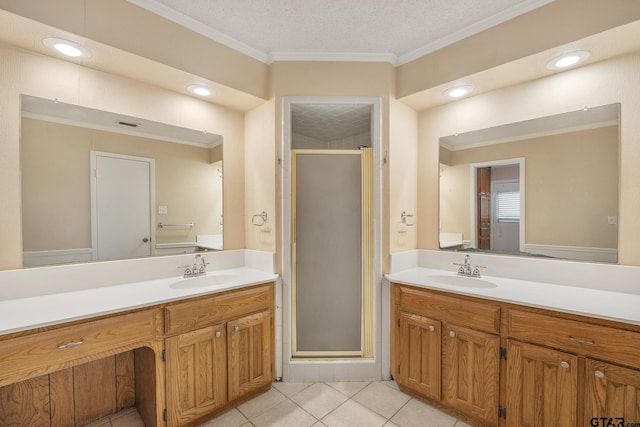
x: 331, y: 254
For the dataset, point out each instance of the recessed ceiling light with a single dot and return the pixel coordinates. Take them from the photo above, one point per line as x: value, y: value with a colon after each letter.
x: 568, y: 60
x: 201, y: 90
x: 458, y: 91
x: 67, y: 47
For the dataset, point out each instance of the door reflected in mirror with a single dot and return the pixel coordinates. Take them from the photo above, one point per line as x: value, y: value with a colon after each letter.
x: 98, y: 185
x: 545, y: 187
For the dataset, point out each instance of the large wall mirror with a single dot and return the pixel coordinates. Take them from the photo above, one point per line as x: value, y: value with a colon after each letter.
x: 98, y: 185
x: 546, y: 187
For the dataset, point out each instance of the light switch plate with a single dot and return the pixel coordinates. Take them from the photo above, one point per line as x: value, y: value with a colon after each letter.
x: 163, y: 210
x: 612, y: 220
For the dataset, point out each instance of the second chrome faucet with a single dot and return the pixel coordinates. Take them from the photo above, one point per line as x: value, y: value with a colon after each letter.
x: 465, y: 269
x: 195, y: 270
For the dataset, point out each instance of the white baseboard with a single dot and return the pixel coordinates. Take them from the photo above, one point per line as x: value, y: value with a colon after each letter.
x: 581, y: 253
x: 61, y: 256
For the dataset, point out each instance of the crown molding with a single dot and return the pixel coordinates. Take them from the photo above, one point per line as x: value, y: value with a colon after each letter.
x: 268, y: 58
x: 472, y: 29
x: 333, y: 57
x: 200, y: 28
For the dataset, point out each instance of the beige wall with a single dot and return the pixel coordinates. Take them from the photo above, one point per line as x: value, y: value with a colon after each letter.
x: 571, y: 187
x: 336, y: 79
x: 33, y: 74
x: 403, y: 172
x: 260, y: 177
x: 56, y: 202
x: 615, y: 80
x: 125, y: 26
x: 541, y: 29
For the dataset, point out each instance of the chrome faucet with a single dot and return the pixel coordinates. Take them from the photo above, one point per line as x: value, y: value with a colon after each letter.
x: 196, y: 271
x: 465, y: 269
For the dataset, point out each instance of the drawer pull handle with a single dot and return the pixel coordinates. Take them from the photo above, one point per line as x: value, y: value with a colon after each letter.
x: 599, y: 374
x: 236, y: 328
x: 565, y: 365
x: 452, y: 334
x: 582, y: 341
x: 218, y: 334
x: 71, y: 344
x: 432, y: 328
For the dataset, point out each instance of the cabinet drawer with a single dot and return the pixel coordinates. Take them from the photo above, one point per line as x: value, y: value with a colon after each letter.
x: 476, y: 315
x: 45, y: 352
x: 190, y: 315
x: 601, y: 342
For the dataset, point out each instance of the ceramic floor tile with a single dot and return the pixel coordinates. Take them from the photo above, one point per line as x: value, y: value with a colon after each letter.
x: 381, y: 399
x: 319, y: 424
x: 128, y: 419
x: 285, y: 414
x: 233, y: 418
x: 319, y: 399
x: 348, y: 388
x: 102, y: 422
x: 391, y: 424
x: 353, y: 414
x: 391, y: 383
x: 418, y: 414
x: 289, y: 389
x: 462, y: 424
x: 261, y: 404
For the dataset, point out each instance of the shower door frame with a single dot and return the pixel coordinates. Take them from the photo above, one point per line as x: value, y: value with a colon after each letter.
x: 298, y: 369
x: 366, y: 263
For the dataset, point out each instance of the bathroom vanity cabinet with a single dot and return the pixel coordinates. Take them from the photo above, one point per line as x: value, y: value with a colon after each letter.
x: 226, y: 357
x: 501, y: 364
x: 177, y: 362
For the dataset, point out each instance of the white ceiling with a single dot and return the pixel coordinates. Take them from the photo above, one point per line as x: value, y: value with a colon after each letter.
x: 330, y: 122
x: 396, y: 31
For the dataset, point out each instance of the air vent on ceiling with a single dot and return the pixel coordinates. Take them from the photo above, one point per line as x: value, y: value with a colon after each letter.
x: 130, y: 124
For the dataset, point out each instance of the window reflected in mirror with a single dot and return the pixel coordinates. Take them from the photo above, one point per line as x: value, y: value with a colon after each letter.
x: 545, y: 187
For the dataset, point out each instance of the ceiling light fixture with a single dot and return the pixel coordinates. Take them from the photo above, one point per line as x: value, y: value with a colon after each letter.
x: 458, y: 91
x: 568, y: 60
x: 201, y: 90
x: 67, y: 47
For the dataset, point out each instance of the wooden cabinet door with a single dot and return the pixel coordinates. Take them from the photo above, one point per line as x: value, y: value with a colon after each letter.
x: 542, y: 386
x: 196, y: 374
x: 250, y: 364
x: 470, y: 361
x: 612, y: 392
x: 419, y: 354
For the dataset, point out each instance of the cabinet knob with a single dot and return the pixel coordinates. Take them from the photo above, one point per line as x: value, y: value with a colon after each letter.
x: 599, y: 374
x: 564, y: 364
x: 432, y: 328
x: 218, y: 334
x: 452, y: 334
x: 236, y: 328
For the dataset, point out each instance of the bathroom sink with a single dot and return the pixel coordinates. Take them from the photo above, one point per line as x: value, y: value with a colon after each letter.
x: 463, y: 281
x: 203, y: 281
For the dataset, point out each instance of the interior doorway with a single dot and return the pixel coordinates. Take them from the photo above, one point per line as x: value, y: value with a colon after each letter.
x: 498, y: 205
x: 331, y: 271
x: 122, y: 200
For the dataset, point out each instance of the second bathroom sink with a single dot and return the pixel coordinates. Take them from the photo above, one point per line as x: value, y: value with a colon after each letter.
x: 467, y: 282
x: 203, y: 281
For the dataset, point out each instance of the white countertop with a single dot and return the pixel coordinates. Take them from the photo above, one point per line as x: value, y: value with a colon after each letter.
x: 617, y: 306
x: 27, y: 313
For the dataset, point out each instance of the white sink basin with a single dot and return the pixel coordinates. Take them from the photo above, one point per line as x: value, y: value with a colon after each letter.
x: 203, y: 281
x: 467, y: 282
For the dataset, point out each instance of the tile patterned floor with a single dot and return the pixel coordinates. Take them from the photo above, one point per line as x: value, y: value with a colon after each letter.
x: 335, y: 404
x: 332, y: 404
